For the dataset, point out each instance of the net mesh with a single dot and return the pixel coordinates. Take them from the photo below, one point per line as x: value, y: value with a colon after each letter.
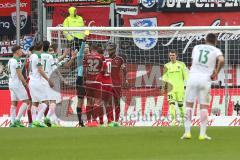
x: 146, y: 52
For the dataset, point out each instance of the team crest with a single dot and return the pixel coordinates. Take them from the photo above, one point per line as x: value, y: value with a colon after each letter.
x: 148, y: 3
x: 23, y: 19
x: 145, y: 39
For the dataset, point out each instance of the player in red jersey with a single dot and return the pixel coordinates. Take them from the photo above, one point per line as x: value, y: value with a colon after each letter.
x: 106, y: 87
x: 118, y: 75
x: 26, y: 76
x: 93, y: 63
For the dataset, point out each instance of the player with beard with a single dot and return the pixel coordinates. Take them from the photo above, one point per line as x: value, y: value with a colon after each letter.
x: 119, y: 77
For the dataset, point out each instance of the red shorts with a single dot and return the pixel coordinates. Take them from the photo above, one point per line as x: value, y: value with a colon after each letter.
x: 117, y: 91
x: 93, y: 90
x: 107, y: 92
x: 28, y: 91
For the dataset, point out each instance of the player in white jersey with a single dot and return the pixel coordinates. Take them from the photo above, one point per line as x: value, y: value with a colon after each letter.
x: 54, y: 96
x: 207, y: 60
x: 37, y: 86
x: 17, y: 86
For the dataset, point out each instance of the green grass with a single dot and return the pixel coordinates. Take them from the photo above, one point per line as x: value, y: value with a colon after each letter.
x: 117, y: 144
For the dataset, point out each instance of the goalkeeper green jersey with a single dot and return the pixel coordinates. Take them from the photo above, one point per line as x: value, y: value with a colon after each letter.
x: 175, y: 74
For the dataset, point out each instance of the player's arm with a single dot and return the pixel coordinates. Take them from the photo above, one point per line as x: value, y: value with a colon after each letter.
x: 65, y: 52
x: 80, y: 53
x: 164, y: 78
x: 20, y: 76
x: 72, y: 60
x: 220, y: 63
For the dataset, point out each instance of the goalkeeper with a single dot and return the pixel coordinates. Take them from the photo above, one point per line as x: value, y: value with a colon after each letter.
x: 175, y: 73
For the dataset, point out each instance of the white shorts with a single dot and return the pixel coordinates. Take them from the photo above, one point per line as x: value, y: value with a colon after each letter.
x: 198, y: 87
x: 53, y: 94
x: 18, y: 93
x: 38, y: 90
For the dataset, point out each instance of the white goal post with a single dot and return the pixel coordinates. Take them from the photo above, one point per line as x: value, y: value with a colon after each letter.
x: 146, y: 51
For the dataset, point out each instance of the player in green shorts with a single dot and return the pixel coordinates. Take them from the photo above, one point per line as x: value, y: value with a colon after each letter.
x: 175, y: 73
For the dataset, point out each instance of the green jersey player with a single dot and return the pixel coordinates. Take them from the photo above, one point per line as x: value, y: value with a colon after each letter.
x: 175, y: 73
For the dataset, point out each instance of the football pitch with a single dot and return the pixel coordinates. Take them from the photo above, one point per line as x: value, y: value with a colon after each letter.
x: 139, y: 143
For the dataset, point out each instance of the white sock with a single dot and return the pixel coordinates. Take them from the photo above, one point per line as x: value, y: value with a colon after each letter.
x: 51, y: 110
x: 12, y: 113
x: 22, y: 109
x: 188, y: 120
x: 204, y: 121
x: 34, y: 113
x: 41, y: 110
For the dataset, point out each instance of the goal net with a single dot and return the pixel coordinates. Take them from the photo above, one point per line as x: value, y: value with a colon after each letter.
x: 145, y: 50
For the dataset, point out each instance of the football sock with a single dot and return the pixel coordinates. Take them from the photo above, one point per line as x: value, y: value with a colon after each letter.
x: 204, y: 120
x: 117, y: 113
x: 41, y: 109
x: 22, y: 109
x: 188, y: 120
x: 12, y: 113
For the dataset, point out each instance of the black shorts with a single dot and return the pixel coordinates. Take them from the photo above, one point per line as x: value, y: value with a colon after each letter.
x: 80, y: 88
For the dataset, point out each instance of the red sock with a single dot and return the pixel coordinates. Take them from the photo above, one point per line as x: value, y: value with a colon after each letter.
x: 109, y: 111
x: 89, y: 113
x: 95, y: 112
x: 117, y: 113
x: 46, y: 111
x: 29, y: 113
x: 100, y: 114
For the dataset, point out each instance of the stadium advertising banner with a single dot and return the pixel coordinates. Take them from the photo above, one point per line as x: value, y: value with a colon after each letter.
x: 187, y: 41
x: 8, y: 17
x: 78, y: 2
x: 199, y: 5
x: 127, y: 7
x: 3, y: 75
x: 6, y: 46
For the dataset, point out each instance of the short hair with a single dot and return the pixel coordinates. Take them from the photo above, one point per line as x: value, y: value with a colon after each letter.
x: 38, y: 46
x: 173, y: 51
x: 31, y: 48
x: 111, y: 46
x: 15, y: 48
x: 100, y: 50
x: 94, y: 47
x: 211, y: 38
x: 54, y: 46
x: 46, y: 45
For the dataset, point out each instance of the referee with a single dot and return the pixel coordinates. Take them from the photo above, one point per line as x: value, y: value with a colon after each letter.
x: 79, y: 81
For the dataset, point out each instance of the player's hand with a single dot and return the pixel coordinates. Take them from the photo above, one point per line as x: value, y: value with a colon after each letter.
x: 66, y: 52
x: 74, y: 54
x: 50, y: 83
x: 214, y: 75
x: 126, y: 84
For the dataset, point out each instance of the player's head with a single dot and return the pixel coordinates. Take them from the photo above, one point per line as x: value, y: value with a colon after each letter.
x: 173, y: 55
x: 46, y: 46
x: 72, y: 11
x: 100, y: 50
x: 38, y: 47
x: 111, y: 49
x: 51, y: 50
x: 17, y: 51
x: 31, y: 50
x: 94, y: 47
x: 211, y: 39
x: 54, y: 47
x: 86, y: 49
